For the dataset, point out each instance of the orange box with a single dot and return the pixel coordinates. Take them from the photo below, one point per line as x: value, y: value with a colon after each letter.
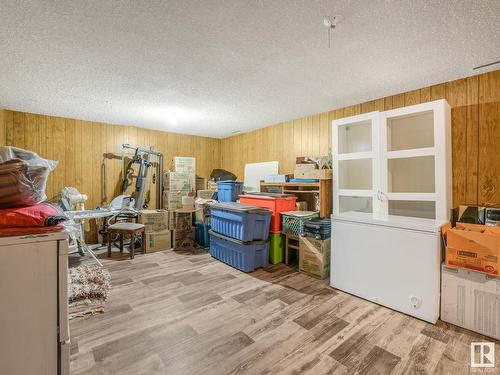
x: 475, y: 247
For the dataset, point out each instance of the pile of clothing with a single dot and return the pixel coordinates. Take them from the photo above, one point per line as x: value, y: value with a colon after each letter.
x: 23, y: 180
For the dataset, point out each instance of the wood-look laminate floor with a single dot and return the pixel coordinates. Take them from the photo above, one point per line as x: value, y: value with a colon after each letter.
x: 171, y: 313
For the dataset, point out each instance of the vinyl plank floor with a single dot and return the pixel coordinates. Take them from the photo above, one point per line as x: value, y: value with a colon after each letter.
x: 181, y: 314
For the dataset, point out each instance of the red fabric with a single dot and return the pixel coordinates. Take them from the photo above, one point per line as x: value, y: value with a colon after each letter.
x: 10, y: 232
x: 31, y: 216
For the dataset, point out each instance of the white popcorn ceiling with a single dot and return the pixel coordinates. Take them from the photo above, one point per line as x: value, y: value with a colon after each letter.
x: 212, y: 67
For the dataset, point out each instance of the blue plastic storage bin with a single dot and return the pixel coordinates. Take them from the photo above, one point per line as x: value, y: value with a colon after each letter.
x: 245, y: 256
x: 201, y: 236
x: 240, y: 221
x: 228, y: 191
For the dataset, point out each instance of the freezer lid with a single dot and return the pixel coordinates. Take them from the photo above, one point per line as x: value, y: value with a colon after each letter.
x: 54, y: 236
x: 402, y: 222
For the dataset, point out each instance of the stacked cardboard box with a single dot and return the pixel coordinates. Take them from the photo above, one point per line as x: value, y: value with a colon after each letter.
x: 158, y: 234
x: 314, y: 257
x: 184, y: 164
x: 201, y: 183
x: 179, y: 183
x: 184, y: 232
x: 316, y: 168
x: 470, y: 285
x: 474, y: 247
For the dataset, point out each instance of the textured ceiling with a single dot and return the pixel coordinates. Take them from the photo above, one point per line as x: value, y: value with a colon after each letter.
x: 212, y: 68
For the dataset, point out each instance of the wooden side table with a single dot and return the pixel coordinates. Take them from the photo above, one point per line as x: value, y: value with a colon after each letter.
x: 127, y: 229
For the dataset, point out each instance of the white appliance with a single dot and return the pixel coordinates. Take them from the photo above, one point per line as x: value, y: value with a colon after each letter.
x: 391, y: 260
x: 471, y: 300
x: 34, y: 326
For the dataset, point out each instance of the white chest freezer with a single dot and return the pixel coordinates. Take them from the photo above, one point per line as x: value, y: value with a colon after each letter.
x: 34, y: 328
x: 390, y: 260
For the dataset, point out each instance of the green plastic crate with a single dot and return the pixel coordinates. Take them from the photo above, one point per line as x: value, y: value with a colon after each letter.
x: 293, y: 221
x: 276, y: 243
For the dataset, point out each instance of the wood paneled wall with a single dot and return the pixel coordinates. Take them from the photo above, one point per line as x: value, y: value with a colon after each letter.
x: 89, y: 153
x: 475, y: 103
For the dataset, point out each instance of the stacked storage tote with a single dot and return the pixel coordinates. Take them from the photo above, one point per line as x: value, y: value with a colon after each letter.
x: 228, y: 191
x: 277, y: 203
x: 239, y: 235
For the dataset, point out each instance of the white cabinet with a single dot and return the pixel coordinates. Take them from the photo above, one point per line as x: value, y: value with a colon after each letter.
x: 395, y: 162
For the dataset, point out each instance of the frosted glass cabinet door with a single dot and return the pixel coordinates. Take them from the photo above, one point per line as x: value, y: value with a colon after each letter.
x: 415, y: 161
x: 356, y: 163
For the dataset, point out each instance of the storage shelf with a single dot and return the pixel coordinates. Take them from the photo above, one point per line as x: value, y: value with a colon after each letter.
x: 301, y: 191
x: 356, y: 155
x: 411, y: 196
x: 309, y: 192
x: 356, y: 192
x: 291, y: 184
x: 413, y: 153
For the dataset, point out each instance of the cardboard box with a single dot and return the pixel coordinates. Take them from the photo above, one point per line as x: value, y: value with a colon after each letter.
x: 183, y: 239
x: 475, y: 247
x: 184, y: 164
x: 306, y: 166
x: 174, y: 181
x: 301, y: 206
x: 317, y: 174
x: 183, y: 220
x: 212, y: 185
x: 201, y: 183
x: 320, y: 162
x: 158, y: 241
x: 205, y: 194
x: 171, y: 219
x: 471, y: 300
x: 314, y: 257
x: 172, y: 200
x: 154, y: 220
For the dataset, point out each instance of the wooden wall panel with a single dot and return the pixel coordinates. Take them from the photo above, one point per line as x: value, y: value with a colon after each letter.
x: 89, y: 153
x: 489, y: 138
x: 3, y: 126
x: 475, y: 103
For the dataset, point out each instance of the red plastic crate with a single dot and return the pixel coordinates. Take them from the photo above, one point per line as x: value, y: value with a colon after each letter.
x: 274, y: 204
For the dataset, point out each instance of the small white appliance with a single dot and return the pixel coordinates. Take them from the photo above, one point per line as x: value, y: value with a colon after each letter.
x: 390, y: 260
x: 34, y: 327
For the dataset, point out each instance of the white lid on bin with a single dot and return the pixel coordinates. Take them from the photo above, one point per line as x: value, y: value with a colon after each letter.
x: 239, y: 207
x: 300, y: 213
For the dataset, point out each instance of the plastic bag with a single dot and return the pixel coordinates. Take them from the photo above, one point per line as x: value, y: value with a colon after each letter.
x: 222, y: 175
x: 23, y: 177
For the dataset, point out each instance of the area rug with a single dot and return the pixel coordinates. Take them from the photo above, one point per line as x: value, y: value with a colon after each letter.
x: 89, y: 286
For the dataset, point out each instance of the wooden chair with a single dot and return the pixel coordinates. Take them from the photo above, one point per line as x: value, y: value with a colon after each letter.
x: 130, y: 229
